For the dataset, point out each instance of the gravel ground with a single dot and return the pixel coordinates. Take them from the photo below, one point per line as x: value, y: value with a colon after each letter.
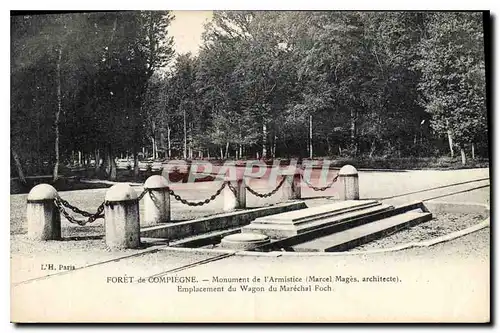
x: 90, y: 238
x: 440, y: 225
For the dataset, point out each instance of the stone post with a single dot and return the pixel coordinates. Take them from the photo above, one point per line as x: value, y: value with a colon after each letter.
x: 157, y: 211
x: 297, y: 184
x: 291, y: 187
x: 121, y: 215
x: 232, y: 201
x: 44, y: 219
x: 349, y: 184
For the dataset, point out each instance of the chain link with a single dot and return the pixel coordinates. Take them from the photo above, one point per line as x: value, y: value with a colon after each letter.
x: 143, y: 193
x: 153, y: 198
x: 91, y: 217
x: 198, y: 203
x: 320, y: 188
x: 73, y: 208
x: 231, y: 187
x: 269, y: 193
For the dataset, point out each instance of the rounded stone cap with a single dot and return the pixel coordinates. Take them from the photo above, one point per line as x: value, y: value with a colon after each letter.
x: 156, y: 181
x: 348, y: 170
x: 120, y: 192
x: 244, y: 241
x: 42, y: 192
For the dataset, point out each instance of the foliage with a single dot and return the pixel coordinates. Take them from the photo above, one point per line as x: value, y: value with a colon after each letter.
x: 386, y: 84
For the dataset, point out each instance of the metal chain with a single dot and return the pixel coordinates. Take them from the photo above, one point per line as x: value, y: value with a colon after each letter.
x: 267, y: 194
x: 198, y: 203
x: 231, y: 187
x: 155, y: 202
x: 71, y: 219
x: 73, y: 208
x: 142, y: 194
x: 320, y: 188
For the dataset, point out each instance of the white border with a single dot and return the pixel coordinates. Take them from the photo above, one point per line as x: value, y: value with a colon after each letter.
x: 186, y: 5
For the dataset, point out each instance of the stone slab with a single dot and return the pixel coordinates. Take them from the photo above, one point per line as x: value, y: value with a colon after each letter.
x: 289, y: 242
x: 209, y: 238
x: 281, y: 230
x: 218, y: 222
x: 353, y: 237
x: 315, y: 213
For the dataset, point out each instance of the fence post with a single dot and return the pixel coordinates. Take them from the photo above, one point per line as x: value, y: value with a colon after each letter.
x: 44, y: 219
x: 297, y: 184
x: 157, y: 210
x: 236, y: 200
x: 349, y: 184
x: 291, y: 187
x: 121, y: 216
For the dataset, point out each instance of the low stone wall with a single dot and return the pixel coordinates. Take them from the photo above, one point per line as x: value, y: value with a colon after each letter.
x: 218, y: 222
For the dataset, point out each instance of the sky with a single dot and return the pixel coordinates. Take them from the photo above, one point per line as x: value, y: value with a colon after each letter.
x: 187, y: 29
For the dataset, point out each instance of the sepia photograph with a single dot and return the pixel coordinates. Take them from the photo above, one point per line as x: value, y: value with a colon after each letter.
x: 250, y: 166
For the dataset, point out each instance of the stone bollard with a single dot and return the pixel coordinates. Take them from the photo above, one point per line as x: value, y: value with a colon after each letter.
x: 232, y: 201
x: 291, y: 187
x: 44, y: 219
x: 297, y: 184
x: 157, y: 211
x: 122, y: 218
x: 349, y: 184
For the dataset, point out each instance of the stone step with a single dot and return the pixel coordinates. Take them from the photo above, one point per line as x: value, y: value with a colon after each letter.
x: 289, y: 242
x: 316, y: 213
x: 209, y: 238
x: 363, y: 234
x: 278, y: 231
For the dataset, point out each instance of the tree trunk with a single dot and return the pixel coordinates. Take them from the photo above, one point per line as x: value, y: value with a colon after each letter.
x: 112, y: 176
x: 310, y: 136
x: 97, y: 160
x: 58, y: 113
x: 274, y: 146
x: 169, y: 142
x: 473, y: 152
x: 19, y: 167
x: 462, y: 153
x: 353, y: 131
x: 153, y: 145
x: 111, y: 167
x: 79, y: 158
x: 136, y: 164
x: 107, y: 162
x: 227, y: 149
x: 221, y: 154
x: 450, y: 139
x: 185, y: 133
x: 372, y: 148
x: 264, y: 140
x: 191, y: 149
x: 241, y: 150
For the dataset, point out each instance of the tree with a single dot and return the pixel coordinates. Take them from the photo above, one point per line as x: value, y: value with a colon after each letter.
x: 453, y: 79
